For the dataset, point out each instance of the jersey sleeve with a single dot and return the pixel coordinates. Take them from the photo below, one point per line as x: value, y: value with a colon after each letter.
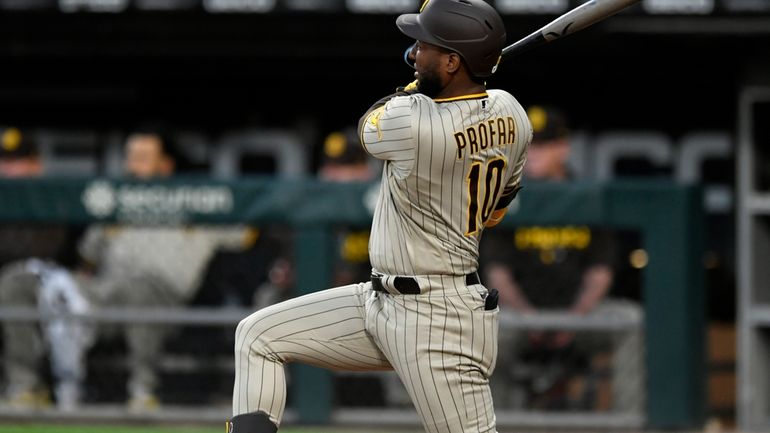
x: 387, y: 133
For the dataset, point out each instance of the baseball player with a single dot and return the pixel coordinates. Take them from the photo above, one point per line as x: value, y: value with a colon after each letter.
x: 453, y: 155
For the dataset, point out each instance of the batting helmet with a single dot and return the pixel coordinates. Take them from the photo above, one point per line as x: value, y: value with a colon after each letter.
x: 471, y: 28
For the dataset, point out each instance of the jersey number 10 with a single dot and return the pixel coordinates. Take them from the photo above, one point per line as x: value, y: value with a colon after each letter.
x: 493, y: 176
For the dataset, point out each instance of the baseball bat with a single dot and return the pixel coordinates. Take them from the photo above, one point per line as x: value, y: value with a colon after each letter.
x: 577, y: 19
x: 574, y: 20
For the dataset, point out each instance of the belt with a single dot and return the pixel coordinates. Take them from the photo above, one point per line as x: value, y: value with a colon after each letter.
x: 409, y: 285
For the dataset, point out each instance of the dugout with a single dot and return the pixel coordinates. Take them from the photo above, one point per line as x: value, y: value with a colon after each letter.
x: 668, y: 217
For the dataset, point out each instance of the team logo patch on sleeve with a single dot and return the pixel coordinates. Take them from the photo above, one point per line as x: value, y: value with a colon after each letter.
x: 374, y: 120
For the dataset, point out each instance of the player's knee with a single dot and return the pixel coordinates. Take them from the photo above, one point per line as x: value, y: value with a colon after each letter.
x: 251, y: 337
x: 240, y: 334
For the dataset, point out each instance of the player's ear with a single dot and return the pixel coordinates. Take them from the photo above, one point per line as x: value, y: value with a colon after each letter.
x: 453, y: 63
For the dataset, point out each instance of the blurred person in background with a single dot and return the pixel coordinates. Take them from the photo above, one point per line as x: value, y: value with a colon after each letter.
x: 20, y: 159
x: 19, y: 155
x: 559, y: 268
x: 345, y: 160
x: 121, y: 266
x: 20, y: 241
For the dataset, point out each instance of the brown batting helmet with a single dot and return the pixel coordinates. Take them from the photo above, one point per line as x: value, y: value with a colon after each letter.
x: 471, y: 28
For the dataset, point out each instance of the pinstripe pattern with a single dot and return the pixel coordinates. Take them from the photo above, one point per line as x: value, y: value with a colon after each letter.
x: 325, y: 329
x: 420, y: 222
x: 441, y: 158
x: 442, y: 347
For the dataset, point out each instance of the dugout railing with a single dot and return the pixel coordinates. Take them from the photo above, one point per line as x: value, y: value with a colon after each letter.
x: 667, y: 216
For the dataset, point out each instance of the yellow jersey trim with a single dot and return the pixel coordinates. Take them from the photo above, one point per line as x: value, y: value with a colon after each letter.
x: 460, y: 98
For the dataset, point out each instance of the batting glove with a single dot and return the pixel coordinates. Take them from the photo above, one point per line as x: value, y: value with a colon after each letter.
x: 410, y: 88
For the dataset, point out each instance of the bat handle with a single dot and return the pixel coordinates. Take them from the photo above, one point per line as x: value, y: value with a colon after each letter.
x: 531, y: 41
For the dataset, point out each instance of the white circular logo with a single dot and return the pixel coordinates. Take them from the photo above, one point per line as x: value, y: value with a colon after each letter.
x: 99, y: 199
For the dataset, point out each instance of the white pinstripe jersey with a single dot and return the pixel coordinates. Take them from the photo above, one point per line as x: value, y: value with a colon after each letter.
x: 447, y: 163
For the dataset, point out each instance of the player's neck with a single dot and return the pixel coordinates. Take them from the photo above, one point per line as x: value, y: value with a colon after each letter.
x: 457, y: 88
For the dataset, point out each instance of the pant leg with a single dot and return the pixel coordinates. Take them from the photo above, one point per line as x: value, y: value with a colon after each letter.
x: 144, y: 342
x: 68, y: 339
x: 24, y: 349
x: 628, y: 375
x: 324, y: 329
x: 628, y: 361
x: 443, y: 347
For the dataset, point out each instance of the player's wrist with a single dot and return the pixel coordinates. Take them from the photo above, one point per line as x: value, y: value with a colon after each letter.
x: 496, y: 217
